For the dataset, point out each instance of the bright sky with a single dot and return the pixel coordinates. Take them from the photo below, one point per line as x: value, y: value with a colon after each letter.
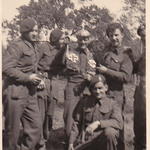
x: 9, y: 6
x: 113, y: 5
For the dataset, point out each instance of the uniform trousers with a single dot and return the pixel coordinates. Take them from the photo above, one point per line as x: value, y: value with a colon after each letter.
x: 71, y: 100
x: 107, y: 140
x: 23, y: 111
x: 44, y: 102
x: 140, y: 116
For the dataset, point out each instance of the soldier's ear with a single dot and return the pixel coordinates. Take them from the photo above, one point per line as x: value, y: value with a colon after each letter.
x: 106, y: 87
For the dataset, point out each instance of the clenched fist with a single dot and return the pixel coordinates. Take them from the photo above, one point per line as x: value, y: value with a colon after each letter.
x: 34, y: 79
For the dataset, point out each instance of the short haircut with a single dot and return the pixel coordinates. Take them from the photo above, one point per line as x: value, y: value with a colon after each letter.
x: 95, y: 79
x: 112, y: 27
x: 55, y: 35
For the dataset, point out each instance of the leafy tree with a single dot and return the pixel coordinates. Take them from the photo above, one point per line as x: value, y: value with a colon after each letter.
x: 95, y: 20
x: 133, y: 14
x: 61, y: 13
x: 50, y: 13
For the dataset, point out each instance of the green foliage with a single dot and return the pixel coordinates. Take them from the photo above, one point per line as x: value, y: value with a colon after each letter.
x: 52, y: 13
x: 95, y: 20
x: 61, y: 14
x: 133, y: 14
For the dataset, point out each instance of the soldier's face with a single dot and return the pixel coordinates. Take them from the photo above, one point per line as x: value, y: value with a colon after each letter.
x: 32, y: 35
x: 116, y: 38
x: 62, y: 41
x: 99, y: 90
x: 83, y: 42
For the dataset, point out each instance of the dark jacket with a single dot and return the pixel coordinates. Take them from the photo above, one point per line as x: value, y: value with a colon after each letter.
x: 78, y: 63
x: 119, y: 68
x: 19, y: 62
x: 89, y: 110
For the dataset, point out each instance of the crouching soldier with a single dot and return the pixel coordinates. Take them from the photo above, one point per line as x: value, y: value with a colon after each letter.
x: 97, y: 120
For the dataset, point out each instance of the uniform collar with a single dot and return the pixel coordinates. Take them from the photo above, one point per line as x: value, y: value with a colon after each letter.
x: 116, y: 50
x: 28, y: 43
x: 105, y: 105
x: 102, y: 101
x: 85, y: 51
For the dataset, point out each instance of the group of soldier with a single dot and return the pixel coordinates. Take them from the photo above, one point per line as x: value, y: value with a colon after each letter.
x: 94, y: 95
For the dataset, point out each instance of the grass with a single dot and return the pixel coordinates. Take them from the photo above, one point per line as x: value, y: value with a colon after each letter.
x: 128, y: 114
x: 57, y: 136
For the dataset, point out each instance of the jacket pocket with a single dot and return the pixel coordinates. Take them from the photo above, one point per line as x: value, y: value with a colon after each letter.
x: 28, y: 58
x: 18, y: 92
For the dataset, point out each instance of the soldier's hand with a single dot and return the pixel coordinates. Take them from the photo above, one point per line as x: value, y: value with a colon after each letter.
x: 89, y: 131
x: 41, y: 85
x: 87, y: 77
x: 34, y: 79
x: 70, y: 147
x: 102, y: 69
x: 93, y: 126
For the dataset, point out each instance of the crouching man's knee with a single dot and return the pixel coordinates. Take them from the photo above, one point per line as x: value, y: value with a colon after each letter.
x: 111, y: 136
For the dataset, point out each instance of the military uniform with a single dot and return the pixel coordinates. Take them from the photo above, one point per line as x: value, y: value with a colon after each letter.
x: 50, y: 69
x: 44, y: 95
x: 19, y: 62
x: 77, y: 63
x: 90, y: 110
x: 119, y: 71
x: 140, y: 104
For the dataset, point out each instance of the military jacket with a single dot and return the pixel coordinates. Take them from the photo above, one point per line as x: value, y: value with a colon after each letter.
x: 19, y: 62
x: 45, y: 56
x: 78, y: 63
x: 119, y: 67
x: 89, y: 110
x: 50, y: 60
x: 140, y: 63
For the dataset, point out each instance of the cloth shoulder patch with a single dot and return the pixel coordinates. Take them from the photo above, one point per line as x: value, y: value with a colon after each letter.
x: 72, y: 57
x: 92, y: 63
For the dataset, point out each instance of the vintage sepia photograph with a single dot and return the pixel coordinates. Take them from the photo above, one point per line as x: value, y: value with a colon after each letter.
x: 74, y: 75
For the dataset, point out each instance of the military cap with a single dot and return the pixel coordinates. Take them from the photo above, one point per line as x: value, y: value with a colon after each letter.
x: 95, y: 79
x: 27, y: 25
x: 55, y: 35
x: 83, y: 33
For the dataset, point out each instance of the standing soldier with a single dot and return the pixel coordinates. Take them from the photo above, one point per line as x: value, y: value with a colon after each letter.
x: 20, y: 68
x: 56, y: 69
x: 139, y: 96
x: 117, y: 64
x: 48, y: 95
x: 80, y: 66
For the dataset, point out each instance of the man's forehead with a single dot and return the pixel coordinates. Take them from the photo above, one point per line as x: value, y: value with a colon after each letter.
x: 99, y: 79
x: 99, y: 84
x: 116, y: 31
